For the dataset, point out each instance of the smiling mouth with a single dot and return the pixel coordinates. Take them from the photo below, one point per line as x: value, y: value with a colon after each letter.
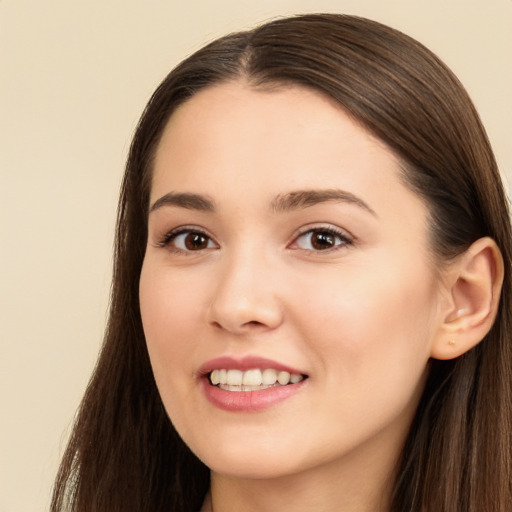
x: 252, y: 380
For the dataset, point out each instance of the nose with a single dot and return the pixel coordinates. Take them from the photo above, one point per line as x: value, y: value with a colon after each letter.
x: 245, y: 296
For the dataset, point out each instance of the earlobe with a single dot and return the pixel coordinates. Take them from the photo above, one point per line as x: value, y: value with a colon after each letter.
x: 473, y: 284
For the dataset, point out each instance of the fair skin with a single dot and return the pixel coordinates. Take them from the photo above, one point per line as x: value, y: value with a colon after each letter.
x: 297, y: 242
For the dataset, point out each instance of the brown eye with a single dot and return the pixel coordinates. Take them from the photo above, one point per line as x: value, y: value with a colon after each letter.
x: 321, y: 240
x: 189, y: 241
x: 196, y: 241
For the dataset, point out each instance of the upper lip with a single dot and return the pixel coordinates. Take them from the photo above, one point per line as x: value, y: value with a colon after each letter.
x: 245, y: 363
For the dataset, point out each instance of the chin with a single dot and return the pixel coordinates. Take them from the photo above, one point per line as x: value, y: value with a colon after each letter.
x: 246, y: 460
x: 250, y: 469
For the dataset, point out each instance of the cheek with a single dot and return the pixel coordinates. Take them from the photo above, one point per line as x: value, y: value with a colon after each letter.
x: 170, y: 316
x: 372, y: 322
x: 168, y: 302
x: 374, y: 348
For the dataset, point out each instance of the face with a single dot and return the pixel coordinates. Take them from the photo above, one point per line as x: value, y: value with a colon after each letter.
x: 283, y: 245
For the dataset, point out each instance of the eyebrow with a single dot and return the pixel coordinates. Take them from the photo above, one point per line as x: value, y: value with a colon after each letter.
x: 295, y: 200
x: 185, y: 200
x: 301, y: 199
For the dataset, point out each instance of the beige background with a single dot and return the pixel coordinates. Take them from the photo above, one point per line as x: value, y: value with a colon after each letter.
x: 74, y: 77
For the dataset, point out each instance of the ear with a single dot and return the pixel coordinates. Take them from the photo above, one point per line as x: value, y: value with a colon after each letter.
x: 473, y: 285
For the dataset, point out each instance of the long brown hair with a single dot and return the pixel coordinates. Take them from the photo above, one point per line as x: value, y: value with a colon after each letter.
x: 124, y: 454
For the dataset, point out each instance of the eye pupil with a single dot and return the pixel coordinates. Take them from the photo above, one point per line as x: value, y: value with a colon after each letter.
x: 196, y: 241
x: 322, y: 240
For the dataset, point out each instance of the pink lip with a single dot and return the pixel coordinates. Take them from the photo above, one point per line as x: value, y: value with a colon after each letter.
x: 244, y: 363
x: 246, y: 401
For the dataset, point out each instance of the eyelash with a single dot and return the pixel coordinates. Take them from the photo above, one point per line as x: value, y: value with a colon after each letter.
x: 337, y: 233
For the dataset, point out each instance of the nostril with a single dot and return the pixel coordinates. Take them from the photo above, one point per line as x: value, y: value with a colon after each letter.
x: 244, y: 315
x: 253, y: 324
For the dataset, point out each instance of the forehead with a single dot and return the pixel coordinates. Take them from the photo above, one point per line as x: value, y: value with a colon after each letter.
x: 234, y: 124
x: 232, y: 141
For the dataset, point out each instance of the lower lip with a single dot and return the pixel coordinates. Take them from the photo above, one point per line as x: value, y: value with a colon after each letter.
x: 249, y: 401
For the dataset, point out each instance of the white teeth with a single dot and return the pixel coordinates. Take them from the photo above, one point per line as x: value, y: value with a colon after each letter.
x: 252, y: 380
x: 295, y: 377
x: 215, y: 377
x: 235, y: 377
x: 269, y: 377
x: 283, y: 378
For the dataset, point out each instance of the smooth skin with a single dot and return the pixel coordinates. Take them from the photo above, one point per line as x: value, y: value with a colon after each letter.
x: 340, y: 284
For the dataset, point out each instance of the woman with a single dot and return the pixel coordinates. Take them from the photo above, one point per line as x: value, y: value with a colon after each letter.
x: 311, y: 295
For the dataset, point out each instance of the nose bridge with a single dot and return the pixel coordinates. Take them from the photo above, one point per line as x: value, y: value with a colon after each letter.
x: 245, y: 295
